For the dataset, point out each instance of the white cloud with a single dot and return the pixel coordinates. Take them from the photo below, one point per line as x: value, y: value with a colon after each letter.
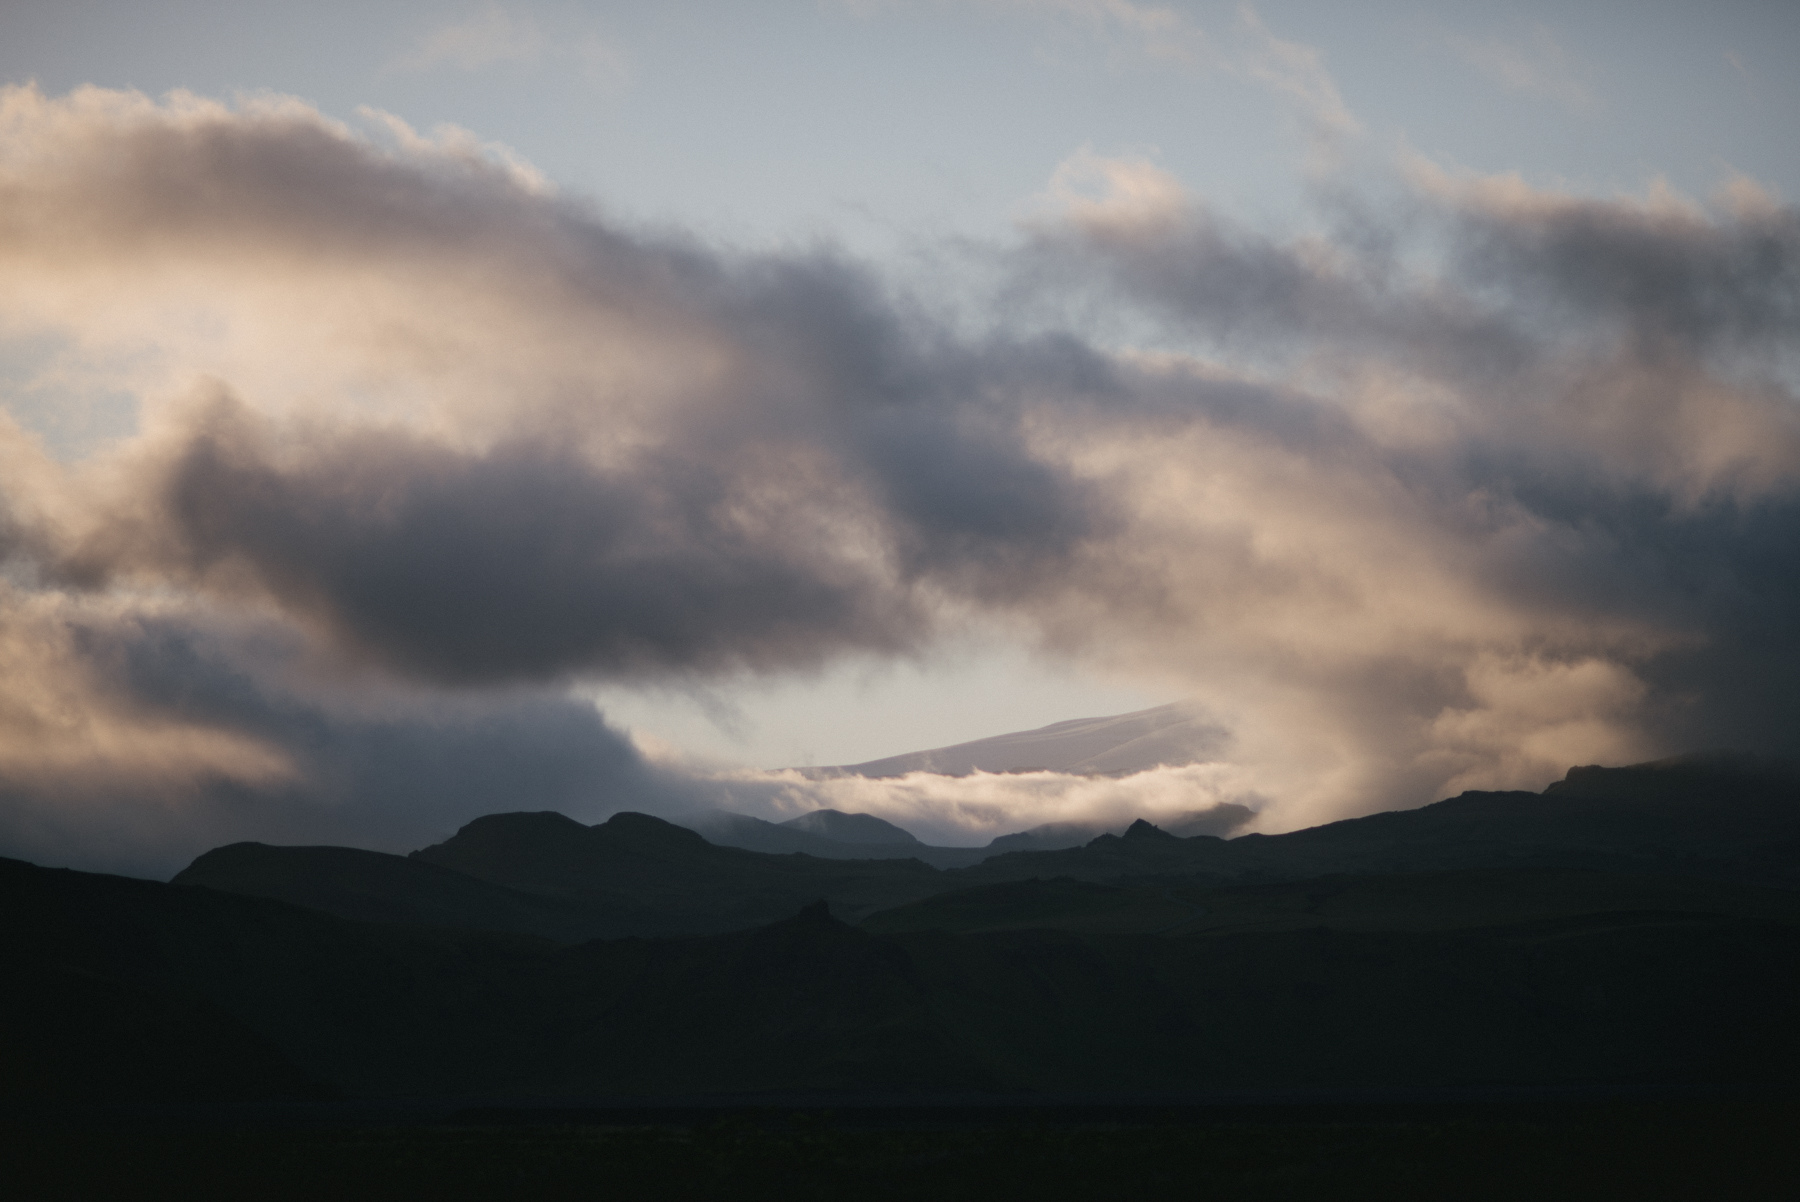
x: 1127, y: 29
x: 492, y: 34
x: 1113, y: 195
x: 1538, y: 66
x: 970, y: 810
x: 456, y: 144
x: 497, y: 35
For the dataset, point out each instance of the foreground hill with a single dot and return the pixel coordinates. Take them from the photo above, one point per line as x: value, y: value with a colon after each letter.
x: 1425, y: 901
x: 190, y: 992
x: 377, y: 887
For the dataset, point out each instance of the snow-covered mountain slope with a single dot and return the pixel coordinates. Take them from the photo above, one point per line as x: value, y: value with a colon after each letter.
x: 1116, y: 746
x: 1169, y: 735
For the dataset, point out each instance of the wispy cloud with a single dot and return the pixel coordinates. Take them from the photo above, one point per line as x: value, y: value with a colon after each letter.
x: 1126, y: 30
x: 1155, y: 31
x: 1297, y: 72
x: 489, y: 35
x: 969, y: 810
x: 1104, y: 193
x: 1538, y: 66
x: 496, y: 35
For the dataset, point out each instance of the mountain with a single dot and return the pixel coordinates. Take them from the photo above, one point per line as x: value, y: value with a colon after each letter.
x: 659, y: 878
x: 377, y: 887
x: 1112, y: 746
x: 727, y: 829
x: 1626, y: 928
x: 1392, y: 902
x: 549, y: 876
x: 860, y: 829
x: 1220, y: 819
x: 1725, y: 817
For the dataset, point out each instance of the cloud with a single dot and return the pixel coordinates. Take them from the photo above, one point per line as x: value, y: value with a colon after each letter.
x: 1538, y: 67
x: 1470, y: 481
x: 495, y: 35
x: 1555, y: 459
x: 138, y: 734
x: 1297, y: 72
x: 1156, y: 32
x: 590, y: 453
x: 489, y: 35
x: 1113, y: 194
x: 970, y: 810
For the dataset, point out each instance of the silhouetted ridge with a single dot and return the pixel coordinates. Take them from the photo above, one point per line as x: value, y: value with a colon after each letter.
x: 1145, y: 830
x: 1631, y: 927
x: 667, y: 879
x: 869, y: 839
x: 851, y: 828
x: 644, y: 829
x: 373, y: 886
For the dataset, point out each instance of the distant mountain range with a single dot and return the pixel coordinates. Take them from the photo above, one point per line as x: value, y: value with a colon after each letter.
x: 1626, y: 928
x: 1168, y: 735
x: 833, y: 835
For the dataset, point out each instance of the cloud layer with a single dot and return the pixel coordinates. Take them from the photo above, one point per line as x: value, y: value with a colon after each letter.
x: 1474, y: 481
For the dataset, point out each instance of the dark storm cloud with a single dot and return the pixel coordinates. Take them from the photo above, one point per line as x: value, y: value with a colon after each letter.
x: 521, y: 561
x: 1666, y: 273
x: 790, y: 454
x: 335, y: 762
x: 524, y: 560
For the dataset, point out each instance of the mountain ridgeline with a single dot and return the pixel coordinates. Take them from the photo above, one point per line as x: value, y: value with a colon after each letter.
x: 1626, y: 927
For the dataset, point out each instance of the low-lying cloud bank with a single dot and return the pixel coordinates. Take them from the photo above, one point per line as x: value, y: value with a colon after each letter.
x: 955, y: 811
x: 1473, y: 482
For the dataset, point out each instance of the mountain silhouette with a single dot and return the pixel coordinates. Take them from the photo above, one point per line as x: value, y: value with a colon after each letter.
x: 852, y: 828
x: 665, y: 879
x: 726, y: 829
x: 1626, y: 928
x: 378, y: 887
x: 1732, y: 818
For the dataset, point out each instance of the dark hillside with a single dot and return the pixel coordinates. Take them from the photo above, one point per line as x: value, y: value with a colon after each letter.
x: 666, y: 879
x: 1726, y: 817
x: 258, y: 998
x: 373, y: 886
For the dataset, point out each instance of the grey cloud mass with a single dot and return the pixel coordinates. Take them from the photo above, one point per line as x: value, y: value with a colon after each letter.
x: 193, y: 732
x: 1475, y: 482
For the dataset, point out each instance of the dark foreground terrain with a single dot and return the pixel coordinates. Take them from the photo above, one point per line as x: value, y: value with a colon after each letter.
x: 1594, y: 983
x: 1391, y: 1152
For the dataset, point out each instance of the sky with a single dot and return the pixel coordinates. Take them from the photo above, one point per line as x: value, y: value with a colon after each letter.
x: 448, y: 408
